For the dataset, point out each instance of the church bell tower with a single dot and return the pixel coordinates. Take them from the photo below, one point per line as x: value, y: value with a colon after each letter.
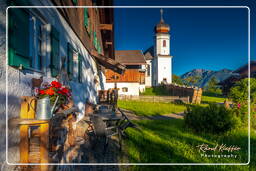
x: 162, y: 37
x: 163, y: 60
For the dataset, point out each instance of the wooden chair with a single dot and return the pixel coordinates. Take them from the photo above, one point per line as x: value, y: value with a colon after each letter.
x: 104, y: 129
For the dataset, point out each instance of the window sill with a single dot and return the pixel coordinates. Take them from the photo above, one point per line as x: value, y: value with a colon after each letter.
x: 34, y: 70
x: 30, y: 69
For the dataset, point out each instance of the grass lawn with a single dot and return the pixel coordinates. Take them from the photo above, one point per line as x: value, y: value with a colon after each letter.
x: 209, y: 99
x: 151, y: 108
x: 167, y: 141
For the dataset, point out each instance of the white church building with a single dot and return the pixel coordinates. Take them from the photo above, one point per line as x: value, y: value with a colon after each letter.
x: 158, y: 58
x: 148, y: 69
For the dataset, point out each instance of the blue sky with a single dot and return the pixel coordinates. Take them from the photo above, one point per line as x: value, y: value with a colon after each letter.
x: 200, y: 38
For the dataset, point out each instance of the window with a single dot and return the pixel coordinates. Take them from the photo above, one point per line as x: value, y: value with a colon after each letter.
x: 164, y: 43
x: 70, y: 61
x: 80, y: 68
x: 25, y: 40
x: 18, y: 33
x: 54, y: 52
x: 125, y: 89
x: 148, y: 70
x: 39, y: 45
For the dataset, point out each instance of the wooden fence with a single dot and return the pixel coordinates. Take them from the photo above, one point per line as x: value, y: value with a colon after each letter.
x: 174, y: 93
x: 164, y: 99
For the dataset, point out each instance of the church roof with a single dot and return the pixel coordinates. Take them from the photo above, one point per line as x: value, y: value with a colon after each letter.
x: 149, y: 53
x: 130, y: 57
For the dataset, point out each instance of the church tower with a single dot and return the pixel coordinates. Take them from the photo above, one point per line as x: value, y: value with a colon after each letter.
x: 162, y: 62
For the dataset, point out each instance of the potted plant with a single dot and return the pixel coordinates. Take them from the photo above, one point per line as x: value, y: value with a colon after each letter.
x: 53, y: 95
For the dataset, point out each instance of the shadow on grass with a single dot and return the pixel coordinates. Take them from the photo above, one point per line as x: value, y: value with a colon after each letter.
x: 169, y: 142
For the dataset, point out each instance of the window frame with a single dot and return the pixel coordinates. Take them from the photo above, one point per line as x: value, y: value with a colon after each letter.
x: 33, y: 42
x: 164, y: 43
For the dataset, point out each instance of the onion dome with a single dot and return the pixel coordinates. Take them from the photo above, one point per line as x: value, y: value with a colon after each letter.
x: 162, y: 27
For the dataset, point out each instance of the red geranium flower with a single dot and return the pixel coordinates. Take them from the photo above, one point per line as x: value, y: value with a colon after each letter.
x: 65, y: 90
x: 41, y: 92
x: 56, y: 84
x: 49, y: 91
x: 60, y: 92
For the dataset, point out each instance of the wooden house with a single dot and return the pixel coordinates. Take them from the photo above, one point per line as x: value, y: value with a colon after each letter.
x: 75, y: 44
x: 132, y: 81
x: 238, y: 74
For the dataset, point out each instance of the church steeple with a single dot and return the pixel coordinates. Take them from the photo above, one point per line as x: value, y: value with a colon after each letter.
x: 161, y: 12
x: 161, y: 27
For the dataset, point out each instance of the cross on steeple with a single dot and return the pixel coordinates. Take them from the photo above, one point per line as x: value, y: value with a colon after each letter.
x: 161, y: 12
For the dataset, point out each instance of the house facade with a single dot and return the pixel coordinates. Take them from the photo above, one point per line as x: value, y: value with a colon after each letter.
x: 132, y: 81
x: 73, y: 45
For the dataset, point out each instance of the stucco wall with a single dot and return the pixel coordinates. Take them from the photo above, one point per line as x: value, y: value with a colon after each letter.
x: 159, y: 44
x: 19, y: 82
x: 148, y: 79
x: 133, y: 88
x: 164, y: 69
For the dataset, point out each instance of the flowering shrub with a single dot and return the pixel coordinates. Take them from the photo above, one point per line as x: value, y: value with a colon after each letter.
x: 239, y: 95
x: 54, y: 90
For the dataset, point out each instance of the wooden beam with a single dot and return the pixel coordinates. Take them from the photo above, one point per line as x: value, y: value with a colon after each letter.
x: 106, y: 27
x: 108, y: 43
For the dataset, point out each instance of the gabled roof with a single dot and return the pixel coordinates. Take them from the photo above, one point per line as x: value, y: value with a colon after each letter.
x: 130, y: 57
x: 149, y: 53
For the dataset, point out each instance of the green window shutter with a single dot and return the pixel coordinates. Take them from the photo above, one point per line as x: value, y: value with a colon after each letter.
x: 54, y: 52
x: 95, y: 39
x: 75, y: 2
x: 86, y: 17
x: 18, y: 33
x: 80, y: 68
x: 70, y: 61
x: 98, y: 47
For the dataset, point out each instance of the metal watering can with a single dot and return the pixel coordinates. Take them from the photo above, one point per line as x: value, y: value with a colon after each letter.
x: 43, y: 108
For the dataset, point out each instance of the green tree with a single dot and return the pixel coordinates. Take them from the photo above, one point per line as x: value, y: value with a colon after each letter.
x: 239, y: 95
x: 239, y: 92
x: 192, y: 80
x: 176, y: 79
x: 212, y: 84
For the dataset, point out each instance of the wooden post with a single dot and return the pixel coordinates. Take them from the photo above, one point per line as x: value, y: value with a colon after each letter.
x: 27, y: 111
x: 44, y: 141
x: 24, y: 143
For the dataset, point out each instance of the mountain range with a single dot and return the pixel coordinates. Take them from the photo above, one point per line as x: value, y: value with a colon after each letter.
x: 203, y: 76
